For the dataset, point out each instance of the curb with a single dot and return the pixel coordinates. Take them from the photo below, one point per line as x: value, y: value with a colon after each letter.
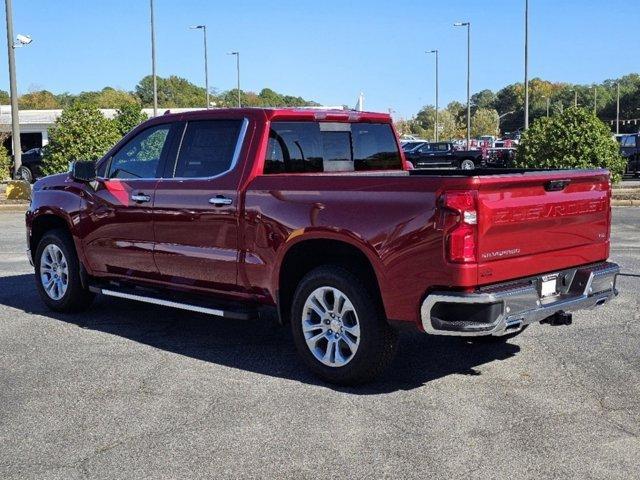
x: 13, y: 207
x: 625, y: 203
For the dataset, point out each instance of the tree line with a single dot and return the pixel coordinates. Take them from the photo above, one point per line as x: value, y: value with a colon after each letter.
x: 173, y: 92
x: 503, y: 111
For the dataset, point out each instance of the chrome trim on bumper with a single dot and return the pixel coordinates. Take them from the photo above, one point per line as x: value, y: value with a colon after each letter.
x: 522, y: 304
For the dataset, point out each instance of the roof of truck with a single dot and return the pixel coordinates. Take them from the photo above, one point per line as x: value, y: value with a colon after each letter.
x: 298, y: 113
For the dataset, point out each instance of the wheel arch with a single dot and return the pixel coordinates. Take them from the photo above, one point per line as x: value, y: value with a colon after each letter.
x: 43, y: 223
x: 304, y: 252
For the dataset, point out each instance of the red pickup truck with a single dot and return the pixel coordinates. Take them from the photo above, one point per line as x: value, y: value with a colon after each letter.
x: 316, y: 215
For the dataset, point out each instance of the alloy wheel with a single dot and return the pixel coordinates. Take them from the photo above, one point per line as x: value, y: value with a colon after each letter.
x: 54, y: 272
x: 330, y: 326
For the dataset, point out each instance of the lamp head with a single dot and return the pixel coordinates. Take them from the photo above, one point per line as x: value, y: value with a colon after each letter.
x: 24, y: 39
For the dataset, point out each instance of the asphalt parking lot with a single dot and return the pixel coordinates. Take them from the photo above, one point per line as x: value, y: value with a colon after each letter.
x: 129, y: 390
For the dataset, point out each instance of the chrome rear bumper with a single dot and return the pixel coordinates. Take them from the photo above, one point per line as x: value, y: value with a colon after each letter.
x: 506, y: 308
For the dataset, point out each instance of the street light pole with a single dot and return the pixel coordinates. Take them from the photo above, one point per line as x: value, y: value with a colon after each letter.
x: 206, y: 63
x: 153, y: 62
x: 617, y: 108
x: 237, y: 54
x: 435, y: 127
x: 15, y: 119
x: 526, y: 64
x: 575, y: 98
x: 468, y: 25
x: 595, y: 99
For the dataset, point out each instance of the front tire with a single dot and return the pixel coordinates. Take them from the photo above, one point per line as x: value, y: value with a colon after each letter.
x: 339, y: 327
x: 467, y: 164
x: 57, y: 271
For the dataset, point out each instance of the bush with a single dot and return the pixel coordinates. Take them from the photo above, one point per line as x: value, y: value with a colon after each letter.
x: 574, y: 138
x: 128, y: 117
x: 81, y: 133
x: 5, y: 164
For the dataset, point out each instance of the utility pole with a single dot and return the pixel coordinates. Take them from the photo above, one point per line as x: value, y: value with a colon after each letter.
x: 595, y: 99
x: 206, y: 63
x: 435, y: 127
x: 13, y: 89
x: 153, y: 62
x: 468, y: 25
x: 526, y: 64
x: 237, y: 54
x: 617, y: 108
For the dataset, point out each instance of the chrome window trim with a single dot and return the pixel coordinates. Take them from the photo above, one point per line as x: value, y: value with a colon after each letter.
x: 234, y: 160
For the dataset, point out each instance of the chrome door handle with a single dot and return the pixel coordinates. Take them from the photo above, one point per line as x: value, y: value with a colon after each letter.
x: 220, y: 200
x: 140, y: 198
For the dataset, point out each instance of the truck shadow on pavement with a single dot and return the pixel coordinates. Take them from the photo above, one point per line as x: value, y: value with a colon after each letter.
x: 259, y: 346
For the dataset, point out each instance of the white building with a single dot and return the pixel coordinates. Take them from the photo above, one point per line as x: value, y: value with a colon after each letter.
x: 35, y: 124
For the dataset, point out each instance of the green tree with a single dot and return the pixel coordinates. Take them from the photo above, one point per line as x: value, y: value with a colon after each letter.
x: 81, y: 133
x: 483, y: 99
x: 575, y: 138
x: 484, y: 122
x: 114, y: 98
x: 449, y: 126
x: 129, y: 116
x: 41, y: 100
x: 5, y: 99
x: 173, y: 91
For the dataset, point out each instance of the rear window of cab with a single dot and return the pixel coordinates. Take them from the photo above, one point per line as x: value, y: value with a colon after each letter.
x: 300, y: 147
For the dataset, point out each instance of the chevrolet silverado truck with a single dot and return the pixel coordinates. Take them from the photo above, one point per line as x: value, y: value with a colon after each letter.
x: 444, y: 155
x: 315, y: 215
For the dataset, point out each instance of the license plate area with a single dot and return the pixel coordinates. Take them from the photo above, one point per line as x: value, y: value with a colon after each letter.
x: 548, y: 286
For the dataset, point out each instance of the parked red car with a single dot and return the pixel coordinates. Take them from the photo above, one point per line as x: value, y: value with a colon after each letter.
x: 313, y: 213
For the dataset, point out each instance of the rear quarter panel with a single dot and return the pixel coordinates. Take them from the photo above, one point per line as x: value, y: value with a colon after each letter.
x: 389, y: 218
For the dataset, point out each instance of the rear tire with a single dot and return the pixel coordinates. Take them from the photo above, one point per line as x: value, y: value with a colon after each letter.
x: 339, y: 327
x: 26, y: 174
x: 57, y: 270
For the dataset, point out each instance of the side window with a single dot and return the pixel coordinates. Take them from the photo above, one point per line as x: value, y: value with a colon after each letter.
x: 294, y: 147
x: 631, y: 141
x: 374, y: 147
x: 207, y: 148
x: 140, y: 157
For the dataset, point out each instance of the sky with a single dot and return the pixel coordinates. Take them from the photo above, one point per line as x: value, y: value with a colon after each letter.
x: 324, y: 50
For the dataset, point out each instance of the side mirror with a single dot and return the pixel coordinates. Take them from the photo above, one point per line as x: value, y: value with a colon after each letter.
x: 83, y: 171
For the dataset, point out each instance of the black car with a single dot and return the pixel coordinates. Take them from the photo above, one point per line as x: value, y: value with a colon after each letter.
x: 31, y: 163
x: 412, y: 145
x: 443, y: 155
x: 630, y: 150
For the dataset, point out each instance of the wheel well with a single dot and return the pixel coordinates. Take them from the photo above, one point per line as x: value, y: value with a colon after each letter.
x: 42, y: 225
x: 309, y: 254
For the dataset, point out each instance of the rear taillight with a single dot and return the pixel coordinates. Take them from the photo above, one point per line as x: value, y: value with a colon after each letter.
x: 460, y: 225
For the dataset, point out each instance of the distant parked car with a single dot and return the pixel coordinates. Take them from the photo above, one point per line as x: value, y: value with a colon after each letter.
x: 444, y: 155
x: 412, y: 145
x: 31, y: 163
x: 630, y: 150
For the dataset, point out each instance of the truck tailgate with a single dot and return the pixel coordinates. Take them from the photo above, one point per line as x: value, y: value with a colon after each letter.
x: 541, y: 221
